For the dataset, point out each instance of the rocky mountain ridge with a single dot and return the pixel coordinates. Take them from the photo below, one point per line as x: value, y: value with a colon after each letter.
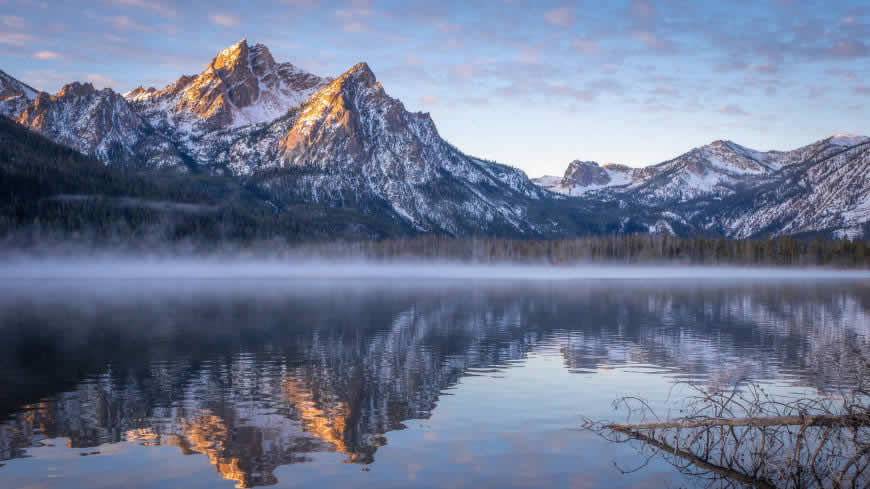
x: 725, y: 188
x: 300, y: 139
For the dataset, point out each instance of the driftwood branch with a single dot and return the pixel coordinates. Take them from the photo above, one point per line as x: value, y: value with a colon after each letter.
x: 846, y: 420
x: 698, y: 461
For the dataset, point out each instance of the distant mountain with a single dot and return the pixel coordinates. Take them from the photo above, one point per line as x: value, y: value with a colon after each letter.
x: 725, y: 188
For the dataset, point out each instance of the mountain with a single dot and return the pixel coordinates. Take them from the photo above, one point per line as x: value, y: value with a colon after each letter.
x: 15, y: 96
x: 301, y: 143
x: 351, y: 143
x: 583, y: 176
x: 99, y: 123
x: 725, y: 188
x: 51, y: 192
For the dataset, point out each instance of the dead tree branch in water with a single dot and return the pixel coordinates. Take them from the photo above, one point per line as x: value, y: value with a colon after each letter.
x: 744, y: 436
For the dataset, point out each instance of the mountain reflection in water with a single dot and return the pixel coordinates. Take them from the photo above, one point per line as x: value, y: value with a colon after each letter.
x: 264, y: 374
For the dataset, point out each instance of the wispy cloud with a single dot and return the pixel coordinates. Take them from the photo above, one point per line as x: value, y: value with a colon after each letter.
x: 586, y: 47
x: 732, y: 109
x: 101, y: 81
x: 15, y: 38
x: 560, y: 16
x: 45, y: 55
x: 127, y: 23
x: 157, y: 7
x: 224, y: 19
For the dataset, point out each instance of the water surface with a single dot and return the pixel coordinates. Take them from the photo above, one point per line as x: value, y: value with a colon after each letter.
x: 377, y: 382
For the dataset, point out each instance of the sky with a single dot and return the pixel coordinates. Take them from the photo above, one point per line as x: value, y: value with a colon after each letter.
x: 533, y: 84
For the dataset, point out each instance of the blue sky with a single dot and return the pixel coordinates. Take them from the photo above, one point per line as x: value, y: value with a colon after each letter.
x: 533, y: 84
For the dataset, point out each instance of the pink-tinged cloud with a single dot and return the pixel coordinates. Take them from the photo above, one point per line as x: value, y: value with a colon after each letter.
x: 766, y: 68
x: 14, y: 38
x: 642, y: 8
x: 653, y: 42
x: 732, y: 109
x: 126, y: 23
x: 12, y: 21
x: 587, y: 47
x: 225, y: 20
x: 528, y: 56
x: 353, y: 27
x: 429, y: 100
x: 46, y: 55
x: 160, y: 8
x: 101, y: 81
x: 560, y: 16
x: 850, y: 49
x: 865, y: 90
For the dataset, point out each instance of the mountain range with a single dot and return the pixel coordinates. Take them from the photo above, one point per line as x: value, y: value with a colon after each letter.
x: 297, y: 139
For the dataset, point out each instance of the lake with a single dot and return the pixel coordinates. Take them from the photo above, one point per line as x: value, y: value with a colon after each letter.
x: 373, y: 381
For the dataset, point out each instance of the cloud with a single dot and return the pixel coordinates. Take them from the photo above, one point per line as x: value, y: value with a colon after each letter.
x: 351, y: 19
x: 843, y: 74
x: 15, y: 39
x: 225, y: 20
x: 12, y: 21
x: 560, y: 16
x: 461, y: 72
x: 127, y: 23
x: 527, y: 56
x: 301, y: 3
x: 863, y: 90
x: 586, y: 47
x: 642, y: 8
x: 766, y: 68
x: 654, y: 42
x: 353, y: 27
x: 429, y: 100
x: 158, y: 8
x: 850, y: 49
x: 732, y: 109
x: 816, y: 92
x: 101, y: 81
x: 46, y: 55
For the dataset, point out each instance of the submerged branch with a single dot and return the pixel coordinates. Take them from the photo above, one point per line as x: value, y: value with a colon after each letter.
x: 845, y: 420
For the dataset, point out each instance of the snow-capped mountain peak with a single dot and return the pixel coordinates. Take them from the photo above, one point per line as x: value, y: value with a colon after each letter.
x: 241, y: 86
x: 847, y: 139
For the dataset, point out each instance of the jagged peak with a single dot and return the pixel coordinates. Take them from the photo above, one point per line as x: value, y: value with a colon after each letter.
x: 583, y: 163
x: 76, y: 89
x: 360, y: 72
x: 847, y: 139
x: 231, y: 57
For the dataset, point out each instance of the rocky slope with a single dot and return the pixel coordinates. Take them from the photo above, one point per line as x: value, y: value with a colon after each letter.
x: 298, y: 139
x: 728, y: 189
x: 15, y: 96
x: 99, y: 123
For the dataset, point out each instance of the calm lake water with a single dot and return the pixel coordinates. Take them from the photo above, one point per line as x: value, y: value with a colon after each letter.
x: 250, y: 382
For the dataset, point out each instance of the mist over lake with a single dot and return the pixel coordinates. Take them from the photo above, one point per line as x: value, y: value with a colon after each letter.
x: 205, y: 374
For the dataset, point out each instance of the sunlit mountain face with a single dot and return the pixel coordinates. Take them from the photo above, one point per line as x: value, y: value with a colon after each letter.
x: 279, y: 376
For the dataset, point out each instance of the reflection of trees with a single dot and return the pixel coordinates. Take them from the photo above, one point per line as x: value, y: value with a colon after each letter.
x: 338, y: 371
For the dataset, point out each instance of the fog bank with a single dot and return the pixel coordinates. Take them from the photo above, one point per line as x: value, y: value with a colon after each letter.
x: 238, y: 268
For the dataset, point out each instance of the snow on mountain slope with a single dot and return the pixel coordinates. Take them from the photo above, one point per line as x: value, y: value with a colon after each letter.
x: 828, y: 194
x: 99, y: 123
x: 242, y: 86
x: 15, y: 96
x: 352, y: 144
x: 585, y: 176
